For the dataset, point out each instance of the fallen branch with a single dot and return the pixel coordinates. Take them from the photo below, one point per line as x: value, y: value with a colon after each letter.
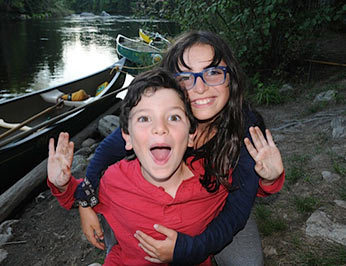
x: 15, y: 242
x: 320, y: 118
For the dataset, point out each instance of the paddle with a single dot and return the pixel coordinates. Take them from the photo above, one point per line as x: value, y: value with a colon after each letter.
x: 12, y: 125
x: 15, y: 128
x: 57, y: 118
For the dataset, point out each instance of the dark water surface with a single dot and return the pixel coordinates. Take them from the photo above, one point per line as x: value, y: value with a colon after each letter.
x: 37, y: 54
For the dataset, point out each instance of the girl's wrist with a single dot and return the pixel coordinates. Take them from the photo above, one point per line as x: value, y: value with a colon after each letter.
x: 266, y: 182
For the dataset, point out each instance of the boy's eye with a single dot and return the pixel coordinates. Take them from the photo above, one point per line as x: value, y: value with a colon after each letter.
x: 142, y: 119
x: 174, y: 118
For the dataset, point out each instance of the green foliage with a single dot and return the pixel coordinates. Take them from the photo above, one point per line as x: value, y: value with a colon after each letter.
x: 269, y: 37
x: 267, y: 223
x: 339, y: 165
x: 267, y: 94
x: 334, y: 255
x: 297, y: 171
x: 44, y: 8
x: 306, y: 204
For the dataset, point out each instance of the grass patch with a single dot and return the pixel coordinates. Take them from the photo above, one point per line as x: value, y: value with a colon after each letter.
x: 342, y: 193
x: 267, y: 223
x: 294, y: 174
x: 297, y: 171
x: 306, y: 205
x: 267, y: 95
x: 339, y: 164
x: 317, y: 107
x: 332, y: 256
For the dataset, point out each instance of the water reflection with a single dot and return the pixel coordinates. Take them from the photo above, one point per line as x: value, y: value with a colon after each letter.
x: 37, y: 54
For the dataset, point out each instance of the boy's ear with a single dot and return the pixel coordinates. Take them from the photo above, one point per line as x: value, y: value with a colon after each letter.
x: 192, y: 138
x: 127, y: 138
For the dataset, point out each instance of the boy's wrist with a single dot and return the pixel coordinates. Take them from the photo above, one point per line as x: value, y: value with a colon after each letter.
x: 62, y: 188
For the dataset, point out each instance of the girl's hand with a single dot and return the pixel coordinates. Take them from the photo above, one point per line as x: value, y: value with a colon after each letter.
x: 160, y: 251
x: 91, y: 227
x: 60, y: 161
x: 267, y: 156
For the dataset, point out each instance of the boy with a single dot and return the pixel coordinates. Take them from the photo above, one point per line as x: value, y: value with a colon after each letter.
x: 158, y: 184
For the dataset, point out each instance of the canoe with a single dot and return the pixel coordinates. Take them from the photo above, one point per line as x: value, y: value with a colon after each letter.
x: 154, y: 39
x: 43, y: 114
x: 138, y: 52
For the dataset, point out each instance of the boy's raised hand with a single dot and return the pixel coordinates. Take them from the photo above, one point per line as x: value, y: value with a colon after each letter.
x: 267, y: 156
x: 60, y: 161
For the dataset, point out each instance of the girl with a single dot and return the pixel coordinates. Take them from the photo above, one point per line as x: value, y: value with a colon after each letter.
x: 205, y: 66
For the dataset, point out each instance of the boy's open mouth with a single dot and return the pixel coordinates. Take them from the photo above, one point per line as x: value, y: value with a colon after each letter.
x: 160, y: 153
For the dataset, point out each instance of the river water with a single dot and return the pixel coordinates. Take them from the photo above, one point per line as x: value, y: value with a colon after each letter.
x: 37, y: 54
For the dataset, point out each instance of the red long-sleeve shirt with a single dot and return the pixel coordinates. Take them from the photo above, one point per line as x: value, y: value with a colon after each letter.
x: 131, y: 203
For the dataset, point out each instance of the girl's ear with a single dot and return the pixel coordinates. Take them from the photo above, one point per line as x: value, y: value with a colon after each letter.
x: 127, y: 138
x: 192, y: 138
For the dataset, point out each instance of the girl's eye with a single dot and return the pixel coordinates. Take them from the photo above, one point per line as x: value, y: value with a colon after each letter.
x: 213, y: 72
x: 143, y: 119
x: 174, y: 118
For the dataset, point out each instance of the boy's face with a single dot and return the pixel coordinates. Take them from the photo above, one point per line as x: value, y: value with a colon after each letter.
x: 159, y: 134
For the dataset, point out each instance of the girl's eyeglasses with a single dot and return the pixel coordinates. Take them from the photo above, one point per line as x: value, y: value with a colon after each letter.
x: 211, y: 76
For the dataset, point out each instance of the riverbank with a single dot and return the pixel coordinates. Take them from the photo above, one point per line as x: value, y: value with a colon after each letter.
x: 309, y: 129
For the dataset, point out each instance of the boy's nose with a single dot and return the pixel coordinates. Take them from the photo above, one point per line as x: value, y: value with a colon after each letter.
x: 160, y: 128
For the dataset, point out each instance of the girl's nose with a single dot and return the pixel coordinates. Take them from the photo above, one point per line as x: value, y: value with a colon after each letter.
x: 200, y: 87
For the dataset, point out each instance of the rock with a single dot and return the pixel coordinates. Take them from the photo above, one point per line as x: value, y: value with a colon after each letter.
x: 279, y: 138
x: 3, y: 255
x: 108, y: 124
x: 104, y: 14
x: 330, y: 177
x: 320, y: 225
x: 325, y: 96
x: 286, y: 88
x: 88, y: 142
x: 6, y: 231
x: 269, y: 251
x: 79, y: 166
x: 338, y: 125
x: 87, y: 14
x: 340, y: 203
x: 85, y: 152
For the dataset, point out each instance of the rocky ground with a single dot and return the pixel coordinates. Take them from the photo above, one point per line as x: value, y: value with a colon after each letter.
x: 304, y: 224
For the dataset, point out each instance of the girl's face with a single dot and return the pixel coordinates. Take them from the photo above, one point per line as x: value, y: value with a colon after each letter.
x: 206, y: 101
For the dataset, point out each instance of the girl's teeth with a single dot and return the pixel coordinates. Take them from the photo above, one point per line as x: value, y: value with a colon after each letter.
x: 204, y: 101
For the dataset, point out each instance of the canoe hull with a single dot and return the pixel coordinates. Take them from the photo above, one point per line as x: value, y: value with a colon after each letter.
x: 22, y: 154
x: 137, y: 51
x: 154, y: 39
